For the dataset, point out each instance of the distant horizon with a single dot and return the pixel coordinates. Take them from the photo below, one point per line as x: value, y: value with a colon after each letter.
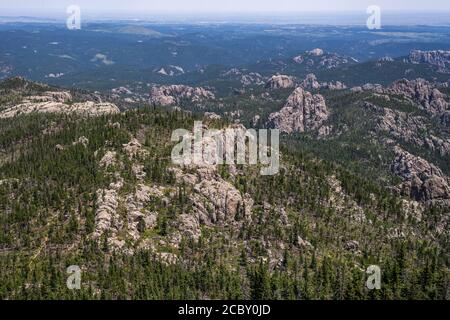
x: 322, y: 17
x: 186, y: 6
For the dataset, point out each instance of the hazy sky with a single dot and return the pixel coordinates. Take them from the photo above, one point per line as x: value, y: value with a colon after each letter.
x: 30, y: 7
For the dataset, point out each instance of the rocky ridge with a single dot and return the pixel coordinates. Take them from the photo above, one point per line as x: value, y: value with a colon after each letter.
x: 422, y: 180
x: 310, y: 83
x: 421, y: 92
x: 321, y: 59
x: 439, y: 59
x: 173, y: 94
x: 213, y: 200
x: 57, y: 102
x: 409, y: 128
x: 245, y: 78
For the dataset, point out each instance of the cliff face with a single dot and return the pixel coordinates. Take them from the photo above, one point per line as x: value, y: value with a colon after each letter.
x: 410, y: 128
x: 439, y: 59
x: 422, y: 180
x: 421, y: 92
x: 302, y: 112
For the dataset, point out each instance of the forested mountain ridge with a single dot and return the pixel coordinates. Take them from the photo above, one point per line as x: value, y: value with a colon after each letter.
x: 369, y: 128
x: 99, y: 190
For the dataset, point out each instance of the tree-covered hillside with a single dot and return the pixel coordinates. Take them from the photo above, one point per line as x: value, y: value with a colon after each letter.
x: 102, y: 193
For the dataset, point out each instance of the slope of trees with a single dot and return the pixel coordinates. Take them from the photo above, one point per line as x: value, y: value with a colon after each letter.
x: 47, y: 212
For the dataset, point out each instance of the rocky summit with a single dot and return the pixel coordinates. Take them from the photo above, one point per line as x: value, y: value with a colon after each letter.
x: 280, y: 82
x: 302, y: 112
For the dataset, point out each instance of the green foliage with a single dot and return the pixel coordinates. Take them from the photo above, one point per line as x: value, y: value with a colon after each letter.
x: 48, y: 203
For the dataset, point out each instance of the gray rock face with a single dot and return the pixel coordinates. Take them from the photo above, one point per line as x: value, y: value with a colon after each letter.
x: 121, y: 90
x: 134, y: 149
x: 212, y: 116
x: 438, y: 58
x: 319, y: 59
x: 170, y: 71
x: 334, y: 85
x: 421, y: 92
x: 407, y: 127
x: 316, y: 52
x: 311, y: 82
x: 332, y: 62
x: 173, y: 94
x: 58, y: 102
x: 356, y: 89
x: 51, y: 96
x: 386, y: 59
x: 281, y: 82
x: 223, y: 196
x: 109, y: 159
x: 378, y: 88
x: 422, y: 180
x: 106, y: 215
x: 302, y: 112
x: 121, y: 217
x: 298, y: 59
x: 253, y: 78
x: 246, y: 78
x: 215, y: 201
x: 137, y: 213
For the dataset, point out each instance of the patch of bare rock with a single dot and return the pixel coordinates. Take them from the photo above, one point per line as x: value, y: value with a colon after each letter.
x: 437, y: 58
x: 302, y: 112
x: 281, y: 82
x: 58, y: 102
x: 421, y: 92
x: 404, y: 126
x: 173, y: 94
x: 321, y: 59
x: 418, y: 92
x: 311, y: 83
x: 422, y: 180
x: 245, y: 78
x: 123, y: 217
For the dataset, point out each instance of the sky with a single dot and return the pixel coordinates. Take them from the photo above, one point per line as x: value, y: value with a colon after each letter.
x: 406, y: 12
x: 31, y: 7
